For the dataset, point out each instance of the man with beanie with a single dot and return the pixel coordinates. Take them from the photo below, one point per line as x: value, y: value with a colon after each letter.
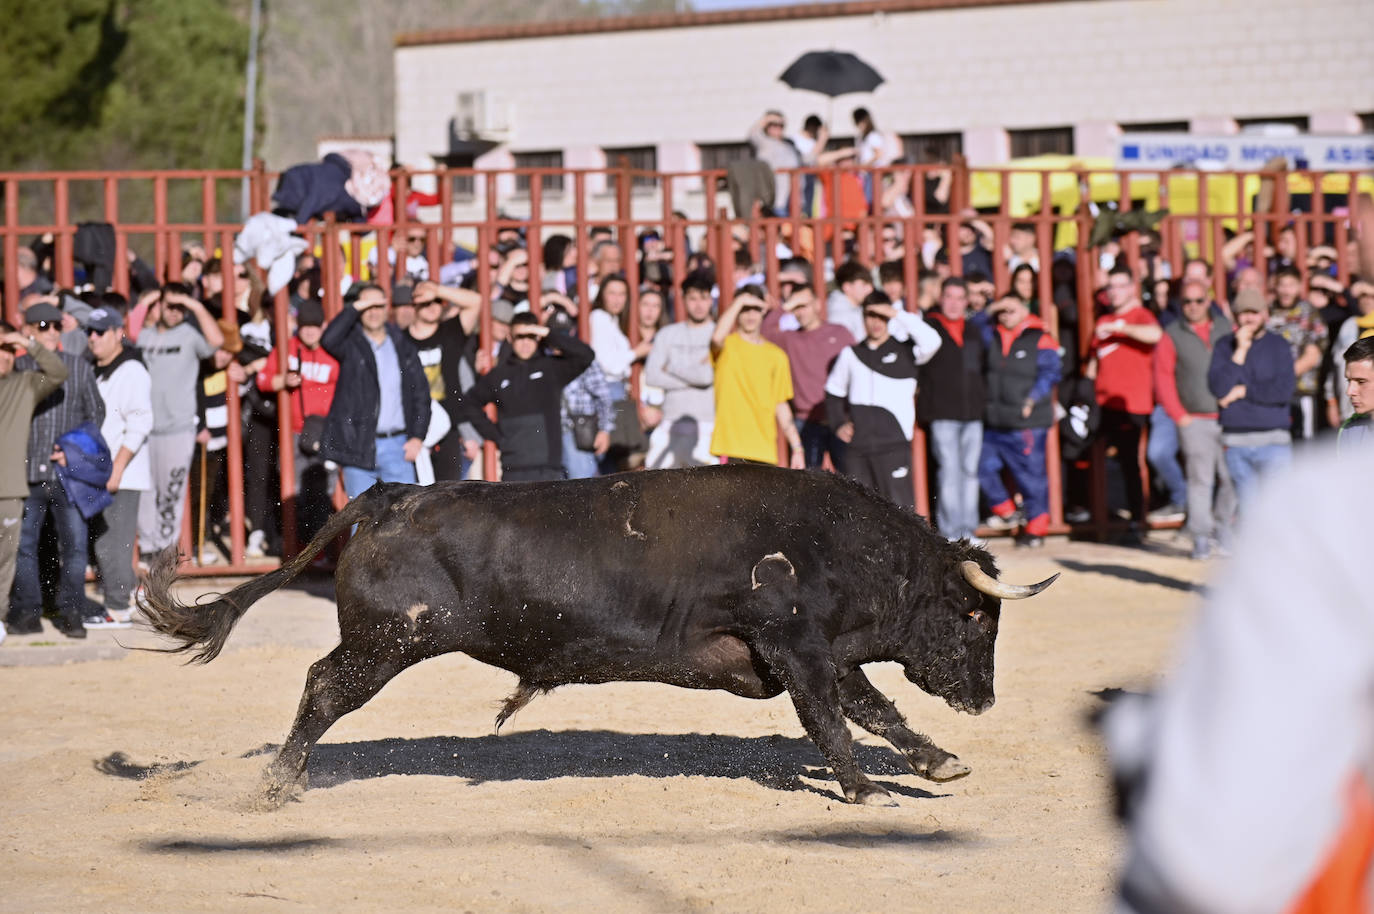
x: 1251, y: 375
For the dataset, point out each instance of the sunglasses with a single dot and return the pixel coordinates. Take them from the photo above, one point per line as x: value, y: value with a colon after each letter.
x: 48, y: 325
x: 416, y: 239
x: 94, y: 332
x: 1195, y: 301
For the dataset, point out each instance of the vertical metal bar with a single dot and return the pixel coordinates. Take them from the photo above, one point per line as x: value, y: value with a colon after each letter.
x: 119, y: 280
x: 485, y: 233
x: 210, y: 216
x: 11, y: 251
x: 286, y: 426
x: 920, y: 480
x: 233, y: 458
x: 62, y: 238
x: 534, y: 247
x: 584, y: 304
x: 160, y: 227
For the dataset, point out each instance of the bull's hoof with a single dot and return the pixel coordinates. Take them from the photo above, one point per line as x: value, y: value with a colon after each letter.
x: 870, y: 795
x: 277, y: 789
x: 948, y: 768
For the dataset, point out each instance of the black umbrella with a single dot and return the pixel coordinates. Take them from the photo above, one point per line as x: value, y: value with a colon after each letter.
x: 831, y: 73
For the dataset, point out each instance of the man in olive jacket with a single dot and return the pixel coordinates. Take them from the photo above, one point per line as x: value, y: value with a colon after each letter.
x: 20, y: 392
x: 377, y: 422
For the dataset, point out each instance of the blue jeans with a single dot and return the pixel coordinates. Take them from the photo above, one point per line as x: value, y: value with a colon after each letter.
x: 1162, y: 454
x: 390, y: 465
x: 1248, y: 464
x: 26, y: 604
x: 957, y: 446
x: 816, y: 440
x: 1022, y: 452
x: 578, y: 464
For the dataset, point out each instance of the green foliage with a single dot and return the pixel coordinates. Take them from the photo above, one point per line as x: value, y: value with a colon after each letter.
x: 122, y: 83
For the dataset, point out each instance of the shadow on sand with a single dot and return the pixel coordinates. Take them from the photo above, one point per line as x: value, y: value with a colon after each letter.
x: 775, y: 762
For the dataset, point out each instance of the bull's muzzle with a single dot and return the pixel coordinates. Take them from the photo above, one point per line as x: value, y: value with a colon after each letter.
x: 986, y: 583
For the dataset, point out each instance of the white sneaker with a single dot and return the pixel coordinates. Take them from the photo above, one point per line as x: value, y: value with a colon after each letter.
x: 208, y: 556
x: 254, y: 549
x: 3, y: 634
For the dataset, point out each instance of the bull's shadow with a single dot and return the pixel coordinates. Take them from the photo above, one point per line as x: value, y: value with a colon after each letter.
x: 775, y: 762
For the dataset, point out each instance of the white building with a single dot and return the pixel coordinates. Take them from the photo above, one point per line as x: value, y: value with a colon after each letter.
x: 993, y: 79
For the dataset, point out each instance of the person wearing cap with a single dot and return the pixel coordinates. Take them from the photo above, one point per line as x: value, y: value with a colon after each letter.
x: 172, y: 348
x: 1181, y: 362
x: 1252, y: 377
x: 127, y: 391
x: 871, y: 396
x: 380, y: 412
x: 812, y: 346
x: 753, y: 384
x: 310, y: 378
x: 20, y: 394
x: 526, y: 385
x: 77, y: 401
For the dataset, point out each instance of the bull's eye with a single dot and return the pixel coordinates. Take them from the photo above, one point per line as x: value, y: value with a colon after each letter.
x: 982, y: 620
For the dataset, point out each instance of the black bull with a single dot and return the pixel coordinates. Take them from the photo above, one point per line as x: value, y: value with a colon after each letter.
x: 749, y: 579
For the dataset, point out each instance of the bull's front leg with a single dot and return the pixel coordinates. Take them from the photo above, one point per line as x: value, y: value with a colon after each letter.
x: 872, y: 710
x: 808, y: 672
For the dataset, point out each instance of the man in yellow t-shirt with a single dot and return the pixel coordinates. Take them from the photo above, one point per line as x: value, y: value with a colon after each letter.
x: 753, y: 386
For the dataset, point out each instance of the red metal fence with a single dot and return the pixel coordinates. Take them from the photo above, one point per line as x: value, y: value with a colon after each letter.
x: 1060, y: 204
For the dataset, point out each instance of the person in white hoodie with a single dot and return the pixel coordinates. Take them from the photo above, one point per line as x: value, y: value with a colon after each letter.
x: 125, y: 387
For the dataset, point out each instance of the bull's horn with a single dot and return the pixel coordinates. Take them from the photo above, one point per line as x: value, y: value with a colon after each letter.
x: 989, y: 585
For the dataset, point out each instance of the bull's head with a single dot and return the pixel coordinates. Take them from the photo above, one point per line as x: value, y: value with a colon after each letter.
x: 950, y: 652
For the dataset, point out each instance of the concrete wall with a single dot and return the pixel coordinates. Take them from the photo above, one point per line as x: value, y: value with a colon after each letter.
x: 1088, y: 65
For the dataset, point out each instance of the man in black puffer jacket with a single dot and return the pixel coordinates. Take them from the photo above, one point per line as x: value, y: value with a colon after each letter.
x: 377, y: 422
x: 527, y: 387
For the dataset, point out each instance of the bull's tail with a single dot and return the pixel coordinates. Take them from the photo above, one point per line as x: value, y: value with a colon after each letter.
x: 205, y: 627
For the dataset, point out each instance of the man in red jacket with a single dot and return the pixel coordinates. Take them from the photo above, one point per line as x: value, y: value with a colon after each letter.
x: 311, y: 375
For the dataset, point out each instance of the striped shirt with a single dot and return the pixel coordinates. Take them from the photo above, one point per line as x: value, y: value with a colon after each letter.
x: 77, y: 401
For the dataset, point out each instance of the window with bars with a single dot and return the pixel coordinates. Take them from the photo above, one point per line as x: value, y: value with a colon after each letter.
x: 720, y: 155
x: 547, y: 183
x: 932, y: 148
x: 639, y: 158
x: 1041, y: 141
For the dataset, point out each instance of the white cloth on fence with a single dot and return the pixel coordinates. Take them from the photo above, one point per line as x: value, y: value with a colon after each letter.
x: 271, y: 242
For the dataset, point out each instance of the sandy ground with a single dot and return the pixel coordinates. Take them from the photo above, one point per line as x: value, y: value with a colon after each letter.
x: 126, y: 779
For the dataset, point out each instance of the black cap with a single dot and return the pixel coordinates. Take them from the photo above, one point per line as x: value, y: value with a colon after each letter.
x: 310, y: 313
x: 102, y: 319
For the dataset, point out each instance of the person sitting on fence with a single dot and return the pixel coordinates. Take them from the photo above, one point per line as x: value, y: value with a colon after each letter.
x: 381, y: 409
x: 770, y: 144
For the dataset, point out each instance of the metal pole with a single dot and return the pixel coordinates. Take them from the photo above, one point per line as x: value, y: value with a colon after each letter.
x: 250, y: 100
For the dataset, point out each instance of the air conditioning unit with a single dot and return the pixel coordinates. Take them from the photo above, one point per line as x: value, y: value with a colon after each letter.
x: 483, y: 115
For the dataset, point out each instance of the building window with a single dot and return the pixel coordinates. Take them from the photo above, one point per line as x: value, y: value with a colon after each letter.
x: 547, y: 183
x: 1298, y: 121
x: 1041, y: 141
x: 717, y: 156
x: 1367, y: 122
x: 932, y: 148
x: 1156, y: 127
x: 637, y: 158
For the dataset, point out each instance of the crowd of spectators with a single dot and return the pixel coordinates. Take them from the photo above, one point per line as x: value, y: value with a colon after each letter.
x: 396, y: 386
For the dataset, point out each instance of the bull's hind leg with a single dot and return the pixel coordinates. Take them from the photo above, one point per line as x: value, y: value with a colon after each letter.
x: 341, y: 681
x: 872, y: 710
